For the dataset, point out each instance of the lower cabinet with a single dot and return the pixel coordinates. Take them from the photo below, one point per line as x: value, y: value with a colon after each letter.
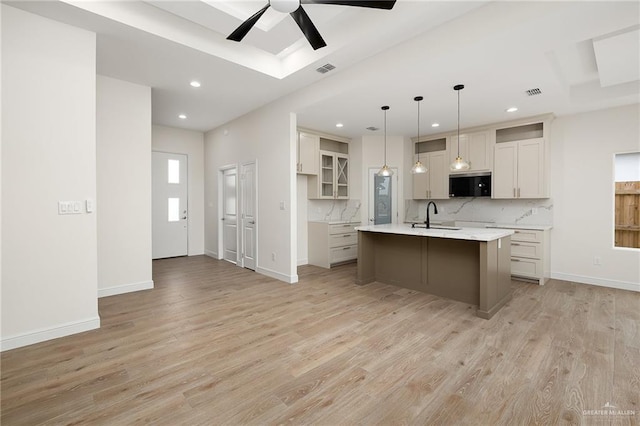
x: 332, y: 243
x: 530, y: 255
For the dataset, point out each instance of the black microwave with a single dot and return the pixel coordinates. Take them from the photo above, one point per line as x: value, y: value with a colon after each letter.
x: 470, y: 185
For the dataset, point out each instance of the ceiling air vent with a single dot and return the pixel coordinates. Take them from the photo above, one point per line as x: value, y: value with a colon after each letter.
x: 533, y: 92
x: 326, y: 68
x: 373, y: 128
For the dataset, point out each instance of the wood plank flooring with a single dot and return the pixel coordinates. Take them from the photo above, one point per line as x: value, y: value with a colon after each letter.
x: 215, y: 344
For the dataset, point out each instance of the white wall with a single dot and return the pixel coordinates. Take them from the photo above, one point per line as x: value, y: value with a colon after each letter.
x: 190, y: 143
x: 49, y: 261
x: 267, y: 135
x: 124, y: 186
x: 582, y: 165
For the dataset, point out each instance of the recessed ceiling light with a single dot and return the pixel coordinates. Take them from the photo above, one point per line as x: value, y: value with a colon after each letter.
x: 512, y: 109
x: 339, y: 125
x: 435, y: 125
x: 182, y: 116
x: 195, y: 83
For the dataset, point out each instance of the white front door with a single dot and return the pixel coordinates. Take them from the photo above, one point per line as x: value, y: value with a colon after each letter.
x: 248, y: 183
x: 230, y: 215
x: 169, y: 205
x: 383, y: 206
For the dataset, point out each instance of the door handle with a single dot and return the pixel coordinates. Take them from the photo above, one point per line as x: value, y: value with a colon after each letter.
x: 252, y: 222
x: 184, y: 218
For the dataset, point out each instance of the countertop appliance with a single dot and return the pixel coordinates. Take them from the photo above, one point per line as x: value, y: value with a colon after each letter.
x: 470, y: 185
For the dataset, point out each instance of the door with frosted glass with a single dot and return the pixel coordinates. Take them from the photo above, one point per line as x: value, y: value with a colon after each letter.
x: 382, y: 198
x: 230, y: 215
x: 169, y: 205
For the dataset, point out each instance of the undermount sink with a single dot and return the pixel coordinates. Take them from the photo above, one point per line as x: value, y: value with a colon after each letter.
x: 446, y: 228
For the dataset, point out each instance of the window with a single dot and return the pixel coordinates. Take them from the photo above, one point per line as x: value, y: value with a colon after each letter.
x: 627, y: 200
x: 173, y: 172
x: 174, y: 210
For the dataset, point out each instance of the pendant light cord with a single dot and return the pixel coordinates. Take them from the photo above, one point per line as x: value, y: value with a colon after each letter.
x: 458, y: 123
x: 418, y: 128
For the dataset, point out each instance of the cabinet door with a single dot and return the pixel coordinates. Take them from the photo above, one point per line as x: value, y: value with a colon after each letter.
x: 421, y: 181
x: 327, y: 175
x: 480, y: 151
x: 308, y: 150
x: 464, y: 151
x: 342, y: 176
x: 438, y: 175
x: 530, y: 169
x: 505, y: 171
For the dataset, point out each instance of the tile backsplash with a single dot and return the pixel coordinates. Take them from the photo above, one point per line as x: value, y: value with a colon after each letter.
x: 522, y: 212
x: 333, y: 210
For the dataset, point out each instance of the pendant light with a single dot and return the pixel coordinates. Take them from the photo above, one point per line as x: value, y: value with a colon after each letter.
x: 385, y: 170
x: 418, y: 167
x: 459, y: 164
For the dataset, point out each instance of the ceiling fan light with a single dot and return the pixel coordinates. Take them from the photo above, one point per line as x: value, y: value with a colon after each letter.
x: 459, y: 165
x: 418, y: 168
x: 285, y: 6
x: 385, y: 171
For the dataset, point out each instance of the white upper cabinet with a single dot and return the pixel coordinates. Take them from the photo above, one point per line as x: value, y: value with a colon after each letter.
x: 435, y: 183
x: 475, y: 148
x: 308, y: 151
x: 521, y: 166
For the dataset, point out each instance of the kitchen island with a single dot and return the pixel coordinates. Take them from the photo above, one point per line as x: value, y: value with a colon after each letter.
x: 470, y: 265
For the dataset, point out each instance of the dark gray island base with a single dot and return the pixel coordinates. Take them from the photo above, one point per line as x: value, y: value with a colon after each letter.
x: 467, y: 265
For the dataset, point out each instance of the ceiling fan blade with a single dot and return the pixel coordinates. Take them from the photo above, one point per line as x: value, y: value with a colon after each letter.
x: 244, y: 28
x: 308, y: 29
x: 375, y: 4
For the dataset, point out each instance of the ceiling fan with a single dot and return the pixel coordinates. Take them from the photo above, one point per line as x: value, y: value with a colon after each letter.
x: 294, y: 8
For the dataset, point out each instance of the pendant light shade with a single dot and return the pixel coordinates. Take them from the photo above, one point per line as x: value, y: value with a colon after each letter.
x: 385, y: 170
x: 459, y: 164
x: 418, y: 167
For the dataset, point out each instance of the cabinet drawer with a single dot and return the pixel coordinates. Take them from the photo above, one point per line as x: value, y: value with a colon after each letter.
x: 530, y: 250
x: 342, y: 254
x: 339, y: 240
x: 526, y: 267
x: 342, y: 228
x: 527, y: 235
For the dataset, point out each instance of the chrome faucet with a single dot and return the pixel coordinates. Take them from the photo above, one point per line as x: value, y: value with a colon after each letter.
x: 435, y: 211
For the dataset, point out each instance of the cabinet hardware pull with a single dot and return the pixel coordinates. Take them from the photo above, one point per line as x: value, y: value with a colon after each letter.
x: 515, y: 244
x: 346, y: 235
x: 514, y: 193
x: 515, y: 260
x: 346, y: 248
x: 518, y: 192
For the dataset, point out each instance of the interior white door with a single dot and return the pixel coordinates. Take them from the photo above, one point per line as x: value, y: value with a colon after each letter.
x: 248, y: 183
x: 230, y: 215
x: 383, y: 206
x: 169, y: 205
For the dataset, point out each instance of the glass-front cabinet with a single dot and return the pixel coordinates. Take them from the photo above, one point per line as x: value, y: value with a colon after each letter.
x: 334, y: 175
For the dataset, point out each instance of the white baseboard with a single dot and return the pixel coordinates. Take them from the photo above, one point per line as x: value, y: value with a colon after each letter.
x: 125, y: 288
x: 303, y: 262
x: 211, y: 254
x: 602, y: 282
x: 196, y: 253
x: 50, y: 333
x: 291, y: 279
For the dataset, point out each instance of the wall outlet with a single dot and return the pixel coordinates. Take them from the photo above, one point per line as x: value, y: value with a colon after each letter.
x: 273, y: 256
x: 597, y: 260
x: 282, y: 205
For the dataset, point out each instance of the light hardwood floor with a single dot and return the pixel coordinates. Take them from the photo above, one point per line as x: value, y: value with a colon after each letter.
x: 216, y: 344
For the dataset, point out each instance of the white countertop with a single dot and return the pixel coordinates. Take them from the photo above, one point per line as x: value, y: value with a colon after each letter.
x: 336, y: 222
x: 475, y: 234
